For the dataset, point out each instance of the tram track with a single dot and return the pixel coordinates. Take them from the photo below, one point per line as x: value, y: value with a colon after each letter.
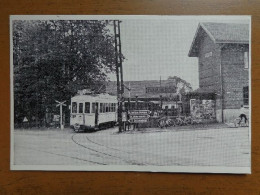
x: 76, y: 158
x: 106, y: 146
x: 104, y: 153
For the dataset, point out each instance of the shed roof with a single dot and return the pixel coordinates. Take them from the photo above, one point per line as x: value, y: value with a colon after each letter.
x: 220, y: 33
x: 203, y: 90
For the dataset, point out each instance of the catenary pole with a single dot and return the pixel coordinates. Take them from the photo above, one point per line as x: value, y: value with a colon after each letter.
x: 119, y: 94
x: 120, y: 59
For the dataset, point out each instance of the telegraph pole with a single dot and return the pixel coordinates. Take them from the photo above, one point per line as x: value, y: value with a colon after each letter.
x: 119, y: 71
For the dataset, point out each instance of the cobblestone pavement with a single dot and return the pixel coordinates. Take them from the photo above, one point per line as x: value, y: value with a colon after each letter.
x: 210, y: 146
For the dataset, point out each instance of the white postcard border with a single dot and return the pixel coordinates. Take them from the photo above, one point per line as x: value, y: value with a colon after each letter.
x: 139, y: 168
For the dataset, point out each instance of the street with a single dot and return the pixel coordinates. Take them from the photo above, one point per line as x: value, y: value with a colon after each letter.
x: 186, y: 147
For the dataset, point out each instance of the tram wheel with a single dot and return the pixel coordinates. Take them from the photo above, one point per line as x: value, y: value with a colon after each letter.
x: 112, y: 124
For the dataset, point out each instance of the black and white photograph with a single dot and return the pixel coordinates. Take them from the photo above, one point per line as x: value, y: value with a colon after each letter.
x: 131, y: 93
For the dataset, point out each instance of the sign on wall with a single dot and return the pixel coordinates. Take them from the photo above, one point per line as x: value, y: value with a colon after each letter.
x: 203, y: 109
x: 167, y: 89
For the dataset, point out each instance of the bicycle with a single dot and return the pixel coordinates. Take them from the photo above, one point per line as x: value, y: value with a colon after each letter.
x: 187, y: 120
x: 179, y: 121
x: 240, y: 123
x: 165, y: 122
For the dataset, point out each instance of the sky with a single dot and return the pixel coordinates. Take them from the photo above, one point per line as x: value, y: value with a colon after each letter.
x: 156, y: 48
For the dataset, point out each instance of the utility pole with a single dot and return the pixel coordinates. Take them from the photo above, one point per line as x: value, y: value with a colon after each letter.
x: 129, y: 99
x: 120, y: 59
x: 161, y: 91
x: 119, y: 72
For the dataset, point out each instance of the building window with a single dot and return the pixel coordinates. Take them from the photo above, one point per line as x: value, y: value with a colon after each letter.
x: 246, y: 60
x: 87, y: 107
x: 80, y: 107
x: 245, y: 95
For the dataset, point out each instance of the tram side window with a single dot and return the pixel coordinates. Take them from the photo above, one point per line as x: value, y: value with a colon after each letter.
x: 104, y: 108
x: 114, y: 107
x: 109, y: 107
x: 74, y: 107
x: 93, y: 108
x: 80, y: 107
x: 87, y: 107
x: 101, y: 108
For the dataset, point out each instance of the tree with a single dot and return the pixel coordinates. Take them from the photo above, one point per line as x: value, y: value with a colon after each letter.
x: 53, y: 59
x: 182, y: 85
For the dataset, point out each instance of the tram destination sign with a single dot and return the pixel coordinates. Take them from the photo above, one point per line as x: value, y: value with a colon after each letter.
x: 139, y: 116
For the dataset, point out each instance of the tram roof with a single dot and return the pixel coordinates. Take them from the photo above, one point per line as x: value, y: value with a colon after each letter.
x: 94, y: 97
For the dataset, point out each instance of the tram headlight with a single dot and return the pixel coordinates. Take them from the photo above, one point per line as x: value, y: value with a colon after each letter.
x: 72, y: 116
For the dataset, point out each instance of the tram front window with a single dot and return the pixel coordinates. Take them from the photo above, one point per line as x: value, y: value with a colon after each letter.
x: 74, y: 107
x: 80, y: 107
x: 93, y: 108
x: 87, y: 107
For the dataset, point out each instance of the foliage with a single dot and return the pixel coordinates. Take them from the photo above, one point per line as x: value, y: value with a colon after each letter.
x: 52, y: 60
x: 182, y: 85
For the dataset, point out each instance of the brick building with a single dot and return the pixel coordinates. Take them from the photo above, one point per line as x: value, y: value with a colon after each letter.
x: 222, y: 50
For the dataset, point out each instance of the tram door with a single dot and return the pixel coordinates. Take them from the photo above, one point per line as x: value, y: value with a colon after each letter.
x: 96, y: 113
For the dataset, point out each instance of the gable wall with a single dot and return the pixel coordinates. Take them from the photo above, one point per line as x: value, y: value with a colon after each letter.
x: 209, y: 64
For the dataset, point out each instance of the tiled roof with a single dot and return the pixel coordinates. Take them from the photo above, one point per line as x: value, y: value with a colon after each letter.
x: 220, y: 33
x: 227, y: 33
x: 138, y: 88
x: 203, y: 90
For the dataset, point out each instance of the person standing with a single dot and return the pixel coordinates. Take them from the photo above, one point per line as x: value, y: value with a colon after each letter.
x: 48, y: 118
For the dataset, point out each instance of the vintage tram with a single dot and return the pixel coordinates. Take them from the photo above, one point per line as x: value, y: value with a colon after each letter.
x: 93, y: 111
